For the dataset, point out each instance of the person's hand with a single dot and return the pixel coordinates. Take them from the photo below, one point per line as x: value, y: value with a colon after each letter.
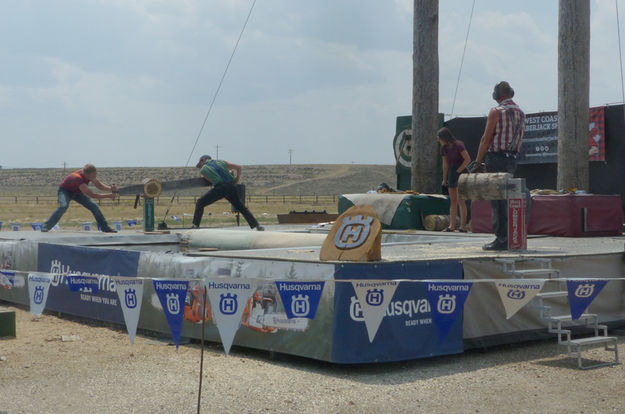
x: 476, y: 167
x: 444, y: 183
x: 112, y: 196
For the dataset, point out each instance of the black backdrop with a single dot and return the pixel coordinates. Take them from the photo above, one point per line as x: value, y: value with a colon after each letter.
x: 606, y: 177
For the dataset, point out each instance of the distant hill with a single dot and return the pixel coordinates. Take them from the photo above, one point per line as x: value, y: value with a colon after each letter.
x: 322, y: 179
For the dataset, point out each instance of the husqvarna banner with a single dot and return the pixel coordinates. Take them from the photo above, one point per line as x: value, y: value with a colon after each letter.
x: 406, y: 331
x: 581, y: 294
x: 62, y: 260
x: 447, y: 300
x: 130, y: 294
x: 228, y: 298
x: 86, y: 284
x: 172, y: 295
x: 38, y: 287
x: 374, y: 298
x: 515, y: 294
x: 300, y: 299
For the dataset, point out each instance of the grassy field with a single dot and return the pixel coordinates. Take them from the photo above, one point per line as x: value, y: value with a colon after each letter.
x: 217, y: 214
x: 29, y: 195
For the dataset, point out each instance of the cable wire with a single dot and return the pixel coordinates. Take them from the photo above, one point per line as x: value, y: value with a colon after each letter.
x: 223, y: 76
x: 466, y: 40
x: 620, y: 54
x: 210, y: 107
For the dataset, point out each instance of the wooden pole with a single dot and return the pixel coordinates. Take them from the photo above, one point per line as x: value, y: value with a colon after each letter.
x: 573, y: 91
x: 425, y: 97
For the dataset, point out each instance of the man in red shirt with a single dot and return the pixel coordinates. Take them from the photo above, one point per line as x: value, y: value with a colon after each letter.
x: 75, y: 187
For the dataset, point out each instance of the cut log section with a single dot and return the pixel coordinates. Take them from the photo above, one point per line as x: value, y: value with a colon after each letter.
x: 484, y: 186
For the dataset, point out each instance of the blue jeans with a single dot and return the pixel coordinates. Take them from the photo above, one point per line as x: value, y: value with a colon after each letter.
x: 64, y: 198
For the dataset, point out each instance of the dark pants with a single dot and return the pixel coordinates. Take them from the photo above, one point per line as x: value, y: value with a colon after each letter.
x: 229, y: 192
x: 64, y: 199
x: 500, y: 162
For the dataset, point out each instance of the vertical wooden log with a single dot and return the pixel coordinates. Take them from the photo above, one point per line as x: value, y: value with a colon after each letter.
x: 425, y: 96
x: 573, y: 91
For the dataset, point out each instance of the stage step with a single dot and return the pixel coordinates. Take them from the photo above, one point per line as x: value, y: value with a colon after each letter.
x: 592, y: 340
x: 568, y: 318
x: 545, y: 269
x: 551, y: 295
x: 532, y: 272
x: 578, y: 344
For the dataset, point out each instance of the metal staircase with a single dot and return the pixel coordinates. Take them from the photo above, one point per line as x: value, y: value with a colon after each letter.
x: 557, y: 324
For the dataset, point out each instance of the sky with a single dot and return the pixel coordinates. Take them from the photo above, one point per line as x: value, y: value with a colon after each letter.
x: 123, y: 83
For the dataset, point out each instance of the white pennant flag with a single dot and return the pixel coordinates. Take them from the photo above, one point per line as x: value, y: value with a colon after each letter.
x: 228, y: 298
x: 130, y: 294
x: 374, y: 298
x: 38, y: 287
x: 515, y: 294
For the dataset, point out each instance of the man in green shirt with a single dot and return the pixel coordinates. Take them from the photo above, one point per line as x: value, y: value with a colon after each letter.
x: 217, y: 172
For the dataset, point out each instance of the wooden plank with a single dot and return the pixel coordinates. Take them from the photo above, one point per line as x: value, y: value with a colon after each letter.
x: 302, y: 218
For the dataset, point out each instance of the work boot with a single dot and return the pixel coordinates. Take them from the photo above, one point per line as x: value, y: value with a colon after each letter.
x: 194, y: 226
x: 260, y: 228
x: 109, y: 231
x: 496, y: 245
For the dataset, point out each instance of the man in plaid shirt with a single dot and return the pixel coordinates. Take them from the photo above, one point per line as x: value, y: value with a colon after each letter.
x: 499, y: 148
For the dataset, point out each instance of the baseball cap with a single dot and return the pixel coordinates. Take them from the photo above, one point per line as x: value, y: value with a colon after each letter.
x: 202, y: 160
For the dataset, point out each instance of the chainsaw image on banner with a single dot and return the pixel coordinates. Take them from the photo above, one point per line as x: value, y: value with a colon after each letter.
x: 261, y: 313
x: 193, y: 304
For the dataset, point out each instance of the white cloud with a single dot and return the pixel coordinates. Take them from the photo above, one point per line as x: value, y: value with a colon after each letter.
x: 129, y: 83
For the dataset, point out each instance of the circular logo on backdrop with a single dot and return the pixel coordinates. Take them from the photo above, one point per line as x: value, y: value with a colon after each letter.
x: 402, y: 146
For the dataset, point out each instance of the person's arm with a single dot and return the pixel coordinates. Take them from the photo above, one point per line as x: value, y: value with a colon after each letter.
x: 237, y: 169
x: 445, y: 167
x: 466, y: 161
x: 487, y: 138
x: 101, y: 186
x: 86, y: 191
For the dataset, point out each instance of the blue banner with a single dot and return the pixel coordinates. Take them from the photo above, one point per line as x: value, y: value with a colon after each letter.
x: 407, y: 331
x: 582, y: 293
x: 62, y: 260
x: 172, y: 295
x: 86, y: 284
x: 447, y: 301
x: 300, y: 299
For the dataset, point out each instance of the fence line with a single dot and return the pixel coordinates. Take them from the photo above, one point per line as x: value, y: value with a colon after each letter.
x: 130, y: 200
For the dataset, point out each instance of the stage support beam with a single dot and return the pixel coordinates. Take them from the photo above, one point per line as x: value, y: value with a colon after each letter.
x: 573, y: 92
x: 425, y: 97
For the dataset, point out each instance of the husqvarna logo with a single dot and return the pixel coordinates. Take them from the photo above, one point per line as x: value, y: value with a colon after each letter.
x: 130, y: 298
x: 446, y: 304
x: 374, y: 297
x: 355, y: 228
x: 516, y: 294
x: 38, y: 295
x: 355, y: 310
x: 300, y: 306
x: 585, y: 291
x: 173, y: 303
x: 228, y: 303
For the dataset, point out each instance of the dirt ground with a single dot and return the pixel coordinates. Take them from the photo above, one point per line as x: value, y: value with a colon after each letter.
x: 99, y: 371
